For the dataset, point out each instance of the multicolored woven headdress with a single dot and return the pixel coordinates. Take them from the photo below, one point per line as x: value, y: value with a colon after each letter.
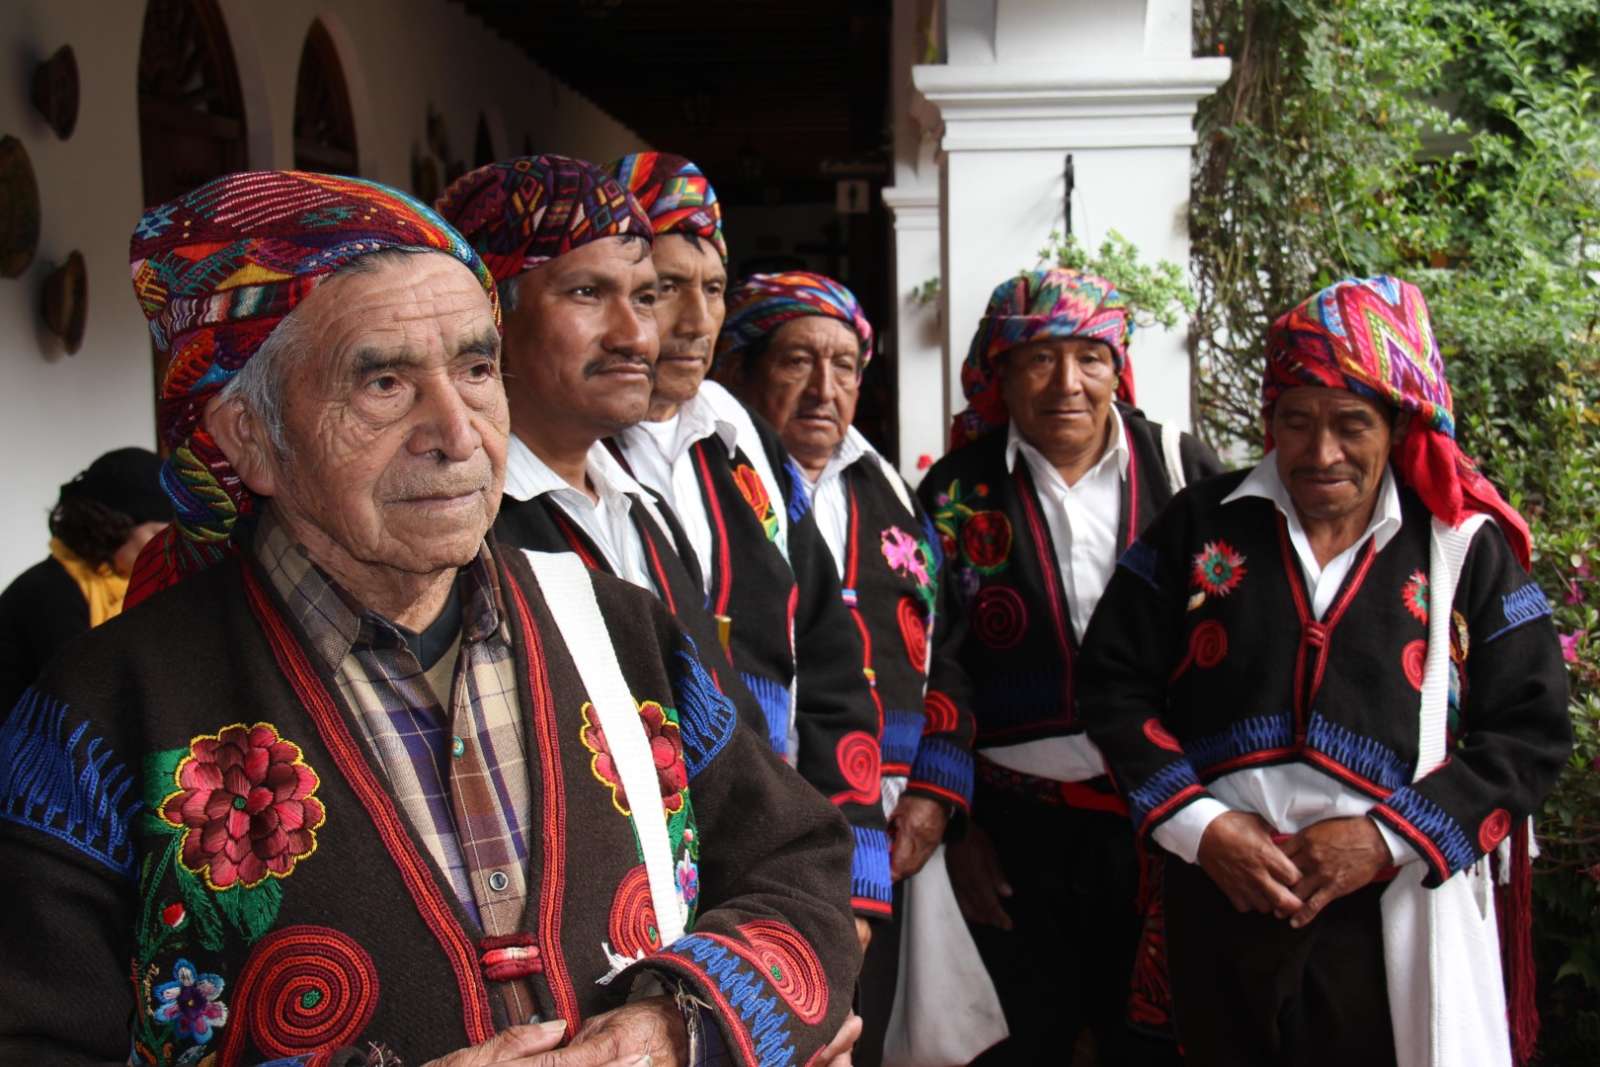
x: 527, y: 211
x: 761, y: 303
x: 215, y: 271
x: 675, y: 194
x: 1373, y: 336
x: 1053, y: 302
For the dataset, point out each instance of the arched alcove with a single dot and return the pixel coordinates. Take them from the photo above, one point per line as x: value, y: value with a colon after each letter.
x: 191, y: 112
x: 324, y: 124
x: 483, y: 143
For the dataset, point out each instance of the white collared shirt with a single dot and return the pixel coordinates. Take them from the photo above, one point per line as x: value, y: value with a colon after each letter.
x: 1082, y: 520
x: 1292, y: 796
x: 658, y: 453
x: 607, y: 521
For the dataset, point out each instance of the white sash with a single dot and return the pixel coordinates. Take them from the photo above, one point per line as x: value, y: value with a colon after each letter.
x: 1441, y: 947
x: 569, y: 592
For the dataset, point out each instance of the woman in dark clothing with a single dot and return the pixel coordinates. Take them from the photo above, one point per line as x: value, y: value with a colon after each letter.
x: 101, y: 520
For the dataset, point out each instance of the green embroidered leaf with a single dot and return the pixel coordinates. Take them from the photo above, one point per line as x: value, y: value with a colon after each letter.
x: 206, y: 923
x: 252, y: 911
x: 159, y: 768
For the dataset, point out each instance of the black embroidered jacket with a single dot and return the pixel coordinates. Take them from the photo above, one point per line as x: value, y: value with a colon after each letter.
x: 120, y: 944
x: 1204, y: 658
x: 1016, y: 641
x: 756, y: 592
x: 896, y: 589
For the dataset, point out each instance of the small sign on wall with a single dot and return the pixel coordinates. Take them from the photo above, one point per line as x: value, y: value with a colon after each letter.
x: 850, y: 196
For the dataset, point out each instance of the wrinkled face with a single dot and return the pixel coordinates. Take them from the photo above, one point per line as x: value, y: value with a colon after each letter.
x: 1058, y: 393
x: 1331, y: 448
x: 807, y: 384
x: 581, y: 346
x: 395, y: 423
x: 689, y: 311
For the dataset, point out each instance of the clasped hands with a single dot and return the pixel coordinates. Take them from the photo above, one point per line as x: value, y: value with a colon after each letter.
x: 1297, y: 878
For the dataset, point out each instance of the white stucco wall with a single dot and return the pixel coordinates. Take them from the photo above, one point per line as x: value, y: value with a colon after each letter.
x: 58, y: 412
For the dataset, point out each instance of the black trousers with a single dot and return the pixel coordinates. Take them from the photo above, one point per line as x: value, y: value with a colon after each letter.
x: 880, y: 974
x: 1066, y: 965
x: 1250, y: 991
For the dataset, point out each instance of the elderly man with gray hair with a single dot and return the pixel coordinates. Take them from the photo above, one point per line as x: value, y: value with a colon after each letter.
x: 351, y: 784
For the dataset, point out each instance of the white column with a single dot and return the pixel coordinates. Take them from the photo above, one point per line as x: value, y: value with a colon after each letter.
x: 1113, y: 84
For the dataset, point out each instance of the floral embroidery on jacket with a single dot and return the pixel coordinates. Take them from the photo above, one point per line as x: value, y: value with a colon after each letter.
x: 1218, y: 569
x: 755, y: 494
x: 666, y: 749
x: 192, y: 1001
x: 1415, y: 595
x: 245, y: 803
x: 980, y: 539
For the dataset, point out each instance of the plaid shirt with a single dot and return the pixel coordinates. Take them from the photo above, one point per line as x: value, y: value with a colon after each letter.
x: 460, y: 776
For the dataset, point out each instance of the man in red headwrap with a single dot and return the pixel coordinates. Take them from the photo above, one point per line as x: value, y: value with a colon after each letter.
x: 354, y: 776
x: 796, y: 345
x: 1052, y: 473
x: 1327, y: 688
x: 572, y: 251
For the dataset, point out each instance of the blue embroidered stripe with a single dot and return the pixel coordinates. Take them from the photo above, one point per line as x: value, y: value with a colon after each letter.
x: 774, y: 701
x: 1522, y: 607
x: 799, y: 495
x: 705, y: 716
x: 1140, y: 559
x: 1370, y: 759
x: 1436, y: 824
x: 67, y: 786
x: 869, y: 867
x: 1017, y: 697
x: 902, y: 733
x: 1242, y: 738
x: 935, y: 543
x: 945, y: 765
x: 1159, y: 788
x: 748, y: 992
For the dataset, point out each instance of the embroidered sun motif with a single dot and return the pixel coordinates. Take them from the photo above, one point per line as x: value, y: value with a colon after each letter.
x: 1218, y: 569
x: 1415, y: 595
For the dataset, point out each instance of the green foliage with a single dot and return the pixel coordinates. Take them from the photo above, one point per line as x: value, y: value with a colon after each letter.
x: 1455, y: 143
x: 1155, y: 293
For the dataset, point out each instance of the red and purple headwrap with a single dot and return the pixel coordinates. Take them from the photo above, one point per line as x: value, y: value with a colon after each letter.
x: 1373, y: 337
x: 675, y: 194
x: 762, y: 303
x: 527, y: 211
x: 1037, y: 305
x: 215, y: 271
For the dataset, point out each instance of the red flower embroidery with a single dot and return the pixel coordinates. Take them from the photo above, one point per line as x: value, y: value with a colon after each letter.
x: 1415, y: 594
x: 986, y: 540
x: 245, y: 802
x: 755, y: 494
x: 666, y: 749
x: 1218, y: 569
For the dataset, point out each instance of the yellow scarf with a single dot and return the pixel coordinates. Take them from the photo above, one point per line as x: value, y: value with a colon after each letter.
x: 102, y: 587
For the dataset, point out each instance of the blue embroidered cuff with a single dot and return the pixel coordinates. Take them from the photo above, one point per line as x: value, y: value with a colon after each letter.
x: 1434, y: 832
x: 944, y: 770
x: 870, y: 887
x: 1162, y: 793
x: 902, y: 733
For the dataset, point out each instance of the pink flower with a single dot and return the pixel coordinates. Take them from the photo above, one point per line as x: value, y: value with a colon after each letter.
x: 1569, y: 644
x: 1574, y: 592
x: 245, y: 804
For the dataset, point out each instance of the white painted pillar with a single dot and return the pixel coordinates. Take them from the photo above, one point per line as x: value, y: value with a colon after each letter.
x: 1025, y: 83
x: 913, y: 202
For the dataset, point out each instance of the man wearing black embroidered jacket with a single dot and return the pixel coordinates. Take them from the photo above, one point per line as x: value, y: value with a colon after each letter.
x: 362, y: 776
x: 795, y: 345
x: 571, y: 252
x: 1328, y: 688
x: 1033, y: 512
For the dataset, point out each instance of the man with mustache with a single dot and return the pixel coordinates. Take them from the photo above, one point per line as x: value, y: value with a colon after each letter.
x: 1052, y: 475
x: 769, y: 581
x: 351, y: 783
x: 1328, y: 689
x: 795, y: 346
